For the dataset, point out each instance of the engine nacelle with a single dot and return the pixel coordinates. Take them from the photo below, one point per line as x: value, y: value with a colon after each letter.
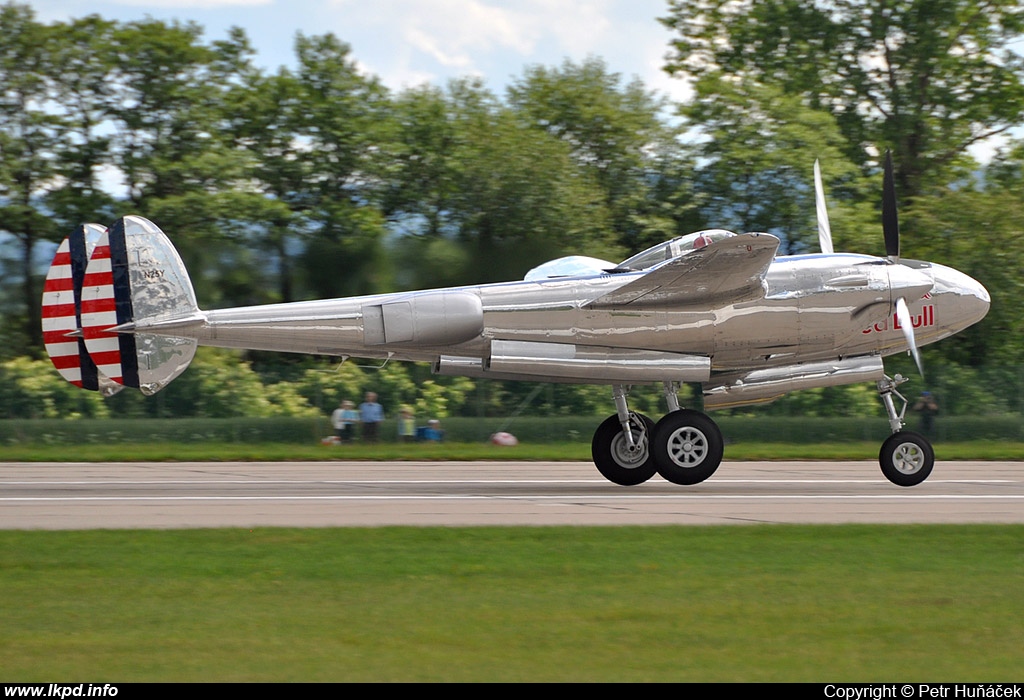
x: 570, y: 363
x: 440, y: 318
x: 763, y: 385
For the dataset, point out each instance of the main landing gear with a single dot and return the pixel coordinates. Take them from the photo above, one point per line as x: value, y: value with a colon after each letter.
x: 685, y: 447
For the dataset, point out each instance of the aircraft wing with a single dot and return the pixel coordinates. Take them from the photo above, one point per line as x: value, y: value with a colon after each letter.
x: 725, y: 272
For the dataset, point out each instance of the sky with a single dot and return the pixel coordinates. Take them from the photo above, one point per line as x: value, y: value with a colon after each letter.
x: 411, y: 42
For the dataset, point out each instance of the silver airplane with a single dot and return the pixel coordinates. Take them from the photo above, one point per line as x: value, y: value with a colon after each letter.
x: 712, y: 307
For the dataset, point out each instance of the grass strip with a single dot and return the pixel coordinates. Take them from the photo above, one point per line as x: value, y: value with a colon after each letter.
x: 277, y: 452
x: 752, y: 603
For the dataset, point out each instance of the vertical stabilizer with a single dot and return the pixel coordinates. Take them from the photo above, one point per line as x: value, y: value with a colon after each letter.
x: 62, y: 312
x: 135, y: 273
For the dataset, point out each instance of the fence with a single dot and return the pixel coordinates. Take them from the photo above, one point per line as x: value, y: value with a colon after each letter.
x: 1009, y: 428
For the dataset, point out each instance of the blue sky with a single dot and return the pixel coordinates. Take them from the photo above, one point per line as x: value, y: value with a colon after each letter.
x: 410, y: 42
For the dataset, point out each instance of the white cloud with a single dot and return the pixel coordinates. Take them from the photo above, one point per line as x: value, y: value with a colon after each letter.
x: 432, y: 40
x: 461, y: 27
x: 191, y: 4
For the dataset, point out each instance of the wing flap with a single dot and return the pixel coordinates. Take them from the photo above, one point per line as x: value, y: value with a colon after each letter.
x: 725, y: 272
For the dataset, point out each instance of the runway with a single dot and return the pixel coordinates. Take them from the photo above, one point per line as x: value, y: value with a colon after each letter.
x: 322, y: 494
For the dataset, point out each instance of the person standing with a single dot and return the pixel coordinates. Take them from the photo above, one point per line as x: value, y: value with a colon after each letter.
x: 338, y: 422
x: 343, y: 419
x: 433, y: 431
x: 406, y: 425
x: 928, y: 407
x: 371, y: 414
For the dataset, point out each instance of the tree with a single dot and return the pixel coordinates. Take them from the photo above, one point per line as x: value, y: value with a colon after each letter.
x: 757, y: 168
x: 478, y: 198
x: 177, y: 147
x: 420, y: 183
x: 342, y: 113
x: 32, y: 389
x: 82, y: 58
x: 30, y: 133
x: 163, y: 108
x: 926, y: 78
x: 266, y: 118
x: 522, y: 199
x: 431, y: 129
x: 978, y: 230
x: 617, y: 134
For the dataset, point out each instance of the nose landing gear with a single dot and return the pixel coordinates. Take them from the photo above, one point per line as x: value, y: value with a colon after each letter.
x: 906, y: 457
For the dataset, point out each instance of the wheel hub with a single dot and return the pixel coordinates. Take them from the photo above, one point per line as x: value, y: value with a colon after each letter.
x: 908, y: 458
x: 630, y: 457
x: 687, y: 447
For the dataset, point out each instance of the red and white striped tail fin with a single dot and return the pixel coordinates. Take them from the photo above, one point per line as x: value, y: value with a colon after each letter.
x: 132, y: 273
x: 99, y: 313
x: 62, y: 309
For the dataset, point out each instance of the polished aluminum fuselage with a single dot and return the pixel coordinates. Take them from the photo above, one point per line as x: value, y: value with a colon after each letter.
x: 814, y: 308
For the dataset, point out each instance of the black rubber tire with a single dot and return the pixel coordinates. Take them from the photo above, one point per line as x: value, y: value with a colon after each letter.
x: 687, y: 447
x: 612, y: 455
x: 906, y: 458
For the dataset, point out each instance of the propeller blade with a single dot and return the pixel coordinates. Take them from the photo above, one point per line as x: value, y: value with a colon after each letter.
x: 824, y: 229
x: 903, y: 316
x: 890, y: 219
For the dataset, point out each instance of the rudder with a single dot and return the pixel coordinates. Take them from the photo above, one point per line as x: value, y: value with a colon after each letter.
x: 62, y: 312
x: 135, y: 273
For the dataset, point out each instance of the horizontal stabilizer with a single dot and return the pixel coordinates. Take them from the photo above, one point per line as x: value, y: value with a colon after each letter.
x: 727, y: 271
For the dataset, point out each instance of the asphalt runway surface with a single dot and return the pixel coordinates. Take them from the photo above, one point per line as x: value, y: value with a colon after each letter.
x: 322, y: 494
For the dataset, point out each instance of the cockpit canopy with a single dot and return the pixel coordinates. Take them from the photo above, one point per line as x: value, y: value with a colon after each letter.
x: 582, y: 266
x: 668, y: 250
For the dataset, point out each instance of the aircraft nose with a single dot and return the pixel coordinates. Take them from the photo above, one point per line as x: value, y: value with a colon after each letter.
x: 971, y: 299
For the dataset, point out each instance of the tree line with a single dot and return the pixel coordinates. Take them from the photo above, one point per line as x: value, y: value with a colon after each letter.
x: 317, y: 181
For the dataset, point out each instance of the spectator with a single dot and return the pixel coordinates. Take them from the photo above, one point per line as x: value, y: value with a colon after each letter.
x: 928, y: 407
x: 371, y: 414
x: 406, y: 425
x: 433, y: 431
x: 344, y: 419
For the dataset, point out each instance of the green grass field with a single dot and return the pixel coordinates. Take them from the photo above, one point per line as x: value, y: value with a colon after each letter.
x: 737, y: 603
x: 566, y: 451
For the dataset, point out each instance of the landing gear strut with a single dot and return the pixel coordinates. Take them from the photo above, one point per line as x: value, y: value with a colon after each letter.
x: 685, y: 447
x: 906, y: 457
x: 616, y: 458
x: 621, y: 445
